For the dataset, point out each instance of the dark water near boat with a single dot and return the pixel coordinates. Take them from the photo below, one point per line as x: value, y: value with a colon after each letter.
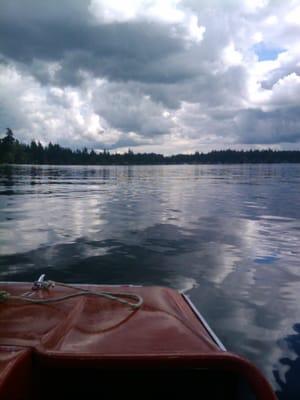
x: 228, y: 235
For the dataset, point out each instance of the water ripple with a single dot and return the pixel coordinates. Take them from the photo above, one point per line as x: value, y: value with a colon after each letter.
x: 227, y: 234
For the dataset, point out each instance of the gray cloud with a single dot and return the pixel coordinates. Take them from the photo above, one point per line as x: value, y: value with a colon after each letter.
x: 182, y: 78
x: 118, y: 51
x: 263, y: 127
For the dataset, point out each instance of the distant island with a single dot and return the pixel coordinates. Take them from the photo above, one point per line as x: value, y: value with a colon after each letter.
x: 14, y: 152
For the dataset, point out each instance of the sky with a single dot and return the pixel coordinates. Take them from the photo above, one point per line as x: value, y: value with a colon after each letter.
x: 167, y: 76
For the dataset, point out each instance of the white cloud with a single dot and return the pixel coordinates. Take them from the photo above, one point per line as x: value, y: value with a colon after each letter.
x: 167, y: 11
x: 286, y: 91
x: 231, y: 56
x: 255, y: 5
x: 50, y: 113
x: 293, y: 16
x: 271, y: 20
x: 118, y: 11
x: 177, y: 75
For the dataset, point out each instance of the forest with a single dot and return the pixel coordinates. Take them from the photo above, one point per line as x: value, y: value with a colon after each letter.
x: 14, y: 152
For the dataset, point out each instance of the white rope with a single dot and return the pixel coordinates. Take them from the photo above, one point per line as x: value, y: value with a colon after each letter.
x: 41, y: 284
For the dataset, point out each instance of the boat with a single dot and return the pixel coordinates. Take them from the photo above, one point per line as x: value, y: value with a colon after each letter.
x: 62, y: 340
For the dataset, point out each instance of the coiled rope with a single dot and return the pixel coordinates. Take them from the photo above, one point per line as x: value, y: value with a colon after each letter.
x: 42, y: 284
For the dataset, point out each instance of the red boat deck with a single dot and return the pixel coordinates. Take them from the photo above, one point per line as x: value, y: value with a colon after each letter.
x: 58, y: 343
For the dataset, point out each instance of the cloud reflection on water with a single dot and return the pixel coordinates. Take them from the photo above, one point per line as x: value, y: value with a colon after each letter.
x: 229, y: 234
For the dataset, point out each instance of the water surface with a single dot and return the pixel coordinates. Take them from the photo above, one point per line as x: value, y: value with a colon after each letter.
x: 228, y: 235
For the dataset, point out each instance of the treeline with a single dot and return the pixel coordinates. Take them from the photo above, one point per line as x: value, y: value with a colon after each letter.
x: 14, y: 152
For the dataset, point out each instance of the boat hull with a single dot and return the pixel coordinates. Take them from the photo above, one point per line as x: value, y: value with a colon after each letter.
x: 96, y: 344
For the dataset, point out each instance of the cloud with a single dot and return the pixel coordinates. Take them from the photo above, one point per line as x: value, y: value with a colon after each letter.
x: 169, y: 12
x: 50, y: 113
x: 175, y: 75
x: 278, y: 126
x: 131, y: 110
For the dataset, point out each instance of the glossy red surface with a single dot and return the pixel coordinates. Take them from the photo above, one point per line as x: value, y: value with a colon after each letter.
x: 15, y: 373
x: 165, y: 324
x: 92, y: 331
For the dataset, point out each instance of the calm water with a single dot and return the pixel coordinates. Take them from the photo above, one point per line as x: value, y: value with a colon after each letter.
x: 228, y: 235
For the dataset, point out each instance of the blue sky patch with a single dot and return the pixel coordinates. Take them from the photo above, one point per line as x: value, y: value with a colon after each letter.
x: 267, y: 259
x: 266, y: 52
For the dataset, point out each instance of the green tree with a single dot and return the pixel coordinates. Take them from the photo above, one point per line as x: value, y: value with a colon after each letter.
x: 9, y: 138
x: 7, y: 151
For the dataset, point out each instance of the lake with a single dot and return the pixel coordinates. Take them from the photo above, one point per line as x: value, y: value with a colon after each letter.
x: 228, y: 235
